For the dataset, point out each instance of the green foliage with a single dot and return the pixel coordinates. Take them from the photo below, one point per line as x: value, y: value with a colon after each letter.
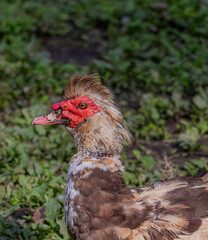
x: 188, y: 140
x: 194, y: 166
x: 153, y: 55
x: 14, y: 231
x: 140, y: 171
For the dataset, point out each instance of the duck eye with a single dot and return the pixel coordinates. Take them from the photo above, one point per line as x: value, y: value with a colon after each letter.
x: 82, y: 105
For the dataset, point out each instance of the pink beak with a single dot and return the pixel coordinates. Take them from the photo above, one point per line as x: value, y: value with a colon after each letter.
x: 50, y: 119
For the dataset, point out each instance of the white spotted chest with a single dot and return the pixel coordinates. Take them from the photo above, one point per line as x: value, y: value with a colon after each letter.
x: 77, y: 165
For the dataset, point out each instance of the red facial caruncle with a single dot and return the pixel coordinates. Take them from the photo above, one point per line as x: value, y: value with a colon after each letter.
x: 69, y: 112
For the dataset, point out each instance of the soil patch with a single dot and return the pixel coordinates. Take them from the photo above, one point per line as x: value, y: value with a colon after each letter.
x: 72, y: 47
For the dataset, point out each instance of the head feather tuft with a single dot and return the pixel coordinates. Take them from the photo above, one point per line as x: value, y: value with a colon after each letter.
x: 90, y: 86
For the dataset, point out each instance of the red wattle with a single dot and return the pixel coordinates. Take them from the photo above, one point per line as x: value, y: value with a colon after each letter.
x: 56, y: 106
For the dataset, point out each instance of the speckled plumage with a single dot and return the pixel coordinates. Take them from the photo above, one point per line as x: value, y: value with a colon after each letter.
x: 99, y: 206
x: 104, y: 208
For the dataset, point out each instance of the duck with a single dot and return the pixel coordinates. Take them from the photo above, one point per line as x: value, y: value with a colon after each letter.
x: 98, y: 205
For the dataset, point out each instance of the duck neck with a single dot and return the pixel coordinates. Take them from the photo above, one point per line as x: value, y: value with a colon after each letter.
x: 98, y: 136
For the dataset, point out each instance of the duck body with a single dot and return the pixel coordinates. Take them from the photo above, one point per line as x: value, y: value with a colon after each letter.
x: 98, y: 204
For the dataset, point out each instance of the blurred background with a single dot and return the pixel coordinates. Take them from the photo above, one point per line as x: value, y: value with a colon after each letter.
x: 152, y: 54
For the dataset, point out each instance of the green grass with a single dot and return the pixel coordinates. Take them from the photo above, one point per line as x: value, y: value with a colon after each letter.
x: 152, y: 54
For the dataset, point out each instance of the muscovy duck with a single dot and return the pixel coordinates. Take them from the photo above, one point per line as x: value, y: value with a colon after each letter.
x: 98, y: 205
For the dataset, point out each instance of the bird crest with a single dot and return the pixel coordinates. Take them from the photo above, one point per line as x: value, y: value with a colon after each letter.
x: 90, y: 86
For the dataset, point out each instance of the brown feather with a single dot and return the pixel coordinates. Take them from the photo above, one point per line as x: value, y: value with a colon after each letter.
x: 164, y: 211
x: 79, y: 86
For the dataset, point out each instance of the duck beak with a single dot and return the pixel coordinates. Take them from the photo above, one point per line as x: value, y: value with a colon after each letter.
x: 52, y: 118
